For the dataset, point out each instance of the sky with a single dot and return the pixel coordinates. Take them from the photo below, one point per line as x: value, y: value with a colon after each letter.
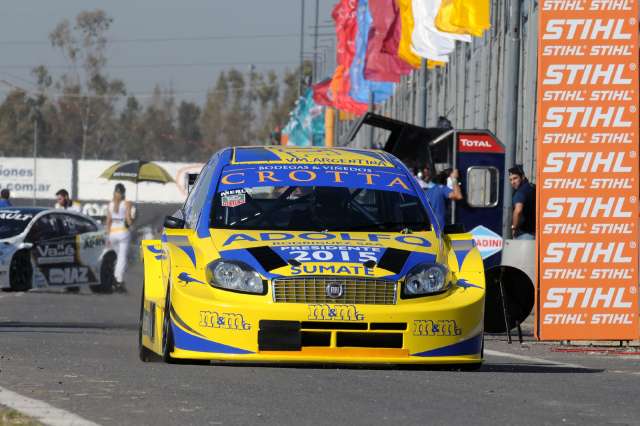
x: 269, y: 29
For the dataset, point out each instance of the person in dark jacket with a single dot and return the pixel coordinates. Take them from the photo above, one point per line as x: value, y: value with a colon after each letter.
x: 523, y: 223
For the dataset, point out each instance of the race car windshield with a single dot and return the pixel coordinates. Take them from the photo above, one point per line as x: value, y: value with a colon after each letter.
x: 318, y: 208
x: 12, y: 224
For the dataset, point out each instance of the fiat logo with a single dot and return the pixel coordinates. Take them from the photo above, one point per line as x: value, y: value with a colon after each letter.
x: 334, y: 290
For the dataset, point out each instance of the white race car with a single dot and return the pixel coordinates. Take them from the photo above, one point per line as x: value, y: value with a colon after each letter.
x: 53, y: 248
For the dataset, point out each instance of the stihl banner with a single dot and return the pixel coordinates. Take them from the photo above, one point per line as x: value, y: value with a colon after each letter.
x: 587, y: 180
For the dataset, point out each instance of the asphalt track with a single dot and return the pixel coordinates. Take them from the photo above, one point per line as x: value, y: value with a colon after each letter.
x: 78, y: 353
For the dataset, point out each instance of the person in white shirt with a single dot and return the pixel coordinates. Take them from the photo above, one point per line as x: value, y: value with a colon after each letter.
x: 63, y: 201
x: 119, y: 219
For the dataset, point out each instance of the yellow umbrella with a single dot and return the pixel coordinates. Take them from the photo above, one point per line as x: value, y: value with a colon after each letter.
x: 137, y: 171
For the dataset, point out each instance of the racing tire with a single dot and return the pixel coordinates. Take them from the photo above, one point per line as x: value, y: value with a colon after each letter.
x: 145, y: 354
x: 20, y: 271
x: 167, y: 332
x: 107, y: 278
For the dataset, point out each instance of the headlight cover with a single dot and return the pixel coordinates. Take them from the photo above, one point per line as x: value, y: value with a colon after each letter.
x: 425, y: 279
x: 234, y: 276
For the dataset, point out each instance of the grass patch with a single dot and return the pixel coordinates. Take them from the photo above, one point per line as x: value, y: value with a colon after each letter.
x: 9, y: 417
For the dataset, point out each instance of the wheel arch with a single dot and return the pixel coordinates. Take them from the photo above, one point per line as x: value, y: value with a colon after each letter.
x: 152, y: 256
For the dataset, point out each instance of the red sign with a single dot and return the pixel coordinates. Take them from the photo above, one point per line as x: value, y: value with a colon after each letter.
x: 478, y: 142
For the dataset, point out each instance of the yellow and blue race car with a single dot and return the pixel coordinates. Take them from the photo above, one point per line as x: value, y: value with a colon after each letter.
x: 285, y: 254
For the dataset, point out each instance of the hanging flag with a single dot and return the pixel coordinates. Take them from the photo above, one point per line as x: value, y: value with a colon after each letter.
x: 344, y: 14
x: 392, y: 39
x: 445, y: 17
x: 306, y: 123
x: 322, y: 94
x: 466, y: 16
x: 406, y: 26
x: 427, y: 41
x: 379, y: 64
x: 361, y: 88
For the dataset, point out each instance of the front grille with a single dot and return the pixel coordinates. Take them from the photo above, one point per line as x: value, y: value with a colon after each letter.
x: 356, y: 290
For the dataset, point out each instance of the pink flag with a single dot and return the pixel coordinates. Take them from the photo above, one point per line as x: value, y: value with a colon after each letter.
x: 382, y: 62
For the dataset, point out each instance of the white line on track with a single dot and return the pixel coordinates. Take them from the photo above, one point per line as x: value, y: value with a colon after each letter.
x: 41, y: 411
x: 532, y: 359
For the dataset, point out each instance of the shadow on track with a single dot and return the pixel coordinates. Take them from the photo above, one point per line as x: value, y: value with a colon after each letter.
x: 486, y: 368
x: 24, y: 326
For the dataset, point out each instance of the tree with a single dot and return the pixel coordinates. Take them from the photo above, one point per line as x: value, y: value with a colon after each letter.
x: 268, y: 92
x: 213, y: 115
x: 160, y: 140
x: 89, y: 96
x: 16, y: 127
x: 237, y: 117
x: 130, y: 133
x: 284, y: 104
x: 189, y: 129
x: 81, y: 113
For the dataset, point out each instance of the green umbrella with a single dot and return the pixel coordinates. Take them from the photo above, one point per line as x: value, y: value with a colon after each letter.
x: 137, y: 171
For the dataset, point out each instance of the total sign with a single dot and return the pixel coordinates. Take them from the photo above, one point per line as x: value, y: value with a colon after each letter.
x: 487, y: 241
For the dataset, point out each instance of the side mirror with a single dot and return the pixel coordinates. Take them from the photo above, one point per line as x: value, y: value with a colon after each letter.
x: 191, y: 181
x: 173, y: 222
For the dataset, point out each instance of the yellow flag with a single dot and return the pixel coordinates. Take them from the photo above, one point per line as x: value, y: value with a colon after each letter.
x: 445, y: 17
x: 464, y: 17
x: 407, y: 24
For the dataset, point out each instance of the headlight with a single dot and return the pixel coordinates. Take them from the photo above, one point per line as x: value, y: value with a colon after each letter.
x: 425, y: 279
x: 234, y: 276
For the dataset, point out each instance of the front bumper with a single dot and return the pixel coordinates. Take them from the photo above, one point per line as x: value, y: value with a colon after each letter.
x: 440, y: 329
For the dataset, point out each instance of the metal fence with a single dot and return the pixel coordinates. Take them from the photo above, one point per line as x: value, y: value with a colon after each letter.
x: 487, y: 84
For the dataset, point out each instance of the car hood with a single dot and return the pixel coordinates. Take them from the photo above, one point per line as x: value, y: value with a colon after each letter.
x: 291, y: 253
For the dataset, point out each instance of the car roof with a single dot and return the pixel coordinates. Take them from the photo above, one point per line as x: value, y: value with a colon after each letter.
x: 311, y: 155
x: 25, y: 210
x: 35, y: 211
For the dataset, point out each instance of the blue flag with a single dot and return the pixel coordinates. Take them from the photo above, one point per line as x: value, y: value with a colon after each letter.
x: 361, y: 87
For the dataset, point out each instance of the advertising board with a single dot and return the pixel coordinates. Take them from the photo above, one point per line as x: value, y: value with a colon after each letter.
x: 587, y: 170
x: 23, y: 180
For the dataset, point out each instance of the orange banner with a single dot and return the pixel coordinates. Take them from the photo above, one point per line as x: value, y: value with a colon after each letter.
x: 587, y: 170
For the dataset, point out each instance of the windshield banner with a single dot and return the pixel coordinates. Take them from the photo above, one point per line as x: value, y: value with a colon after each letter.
x: 587, y: 173
x: 234, y: 177
x: 296, y: 155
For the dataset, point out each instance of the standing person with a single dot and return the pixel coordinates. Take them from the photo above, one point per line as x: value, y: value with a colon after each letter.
x: 439, y: 193
x: 419, y: 177
x: 119, y: 219
x: 4, y: 198
x: 425, y: 179
x: 523, y: 222
x: 64, y: 201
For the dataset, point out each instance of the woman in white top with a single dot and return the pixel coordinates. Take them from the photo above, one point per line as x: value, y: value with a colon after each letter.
x: 119, y: 219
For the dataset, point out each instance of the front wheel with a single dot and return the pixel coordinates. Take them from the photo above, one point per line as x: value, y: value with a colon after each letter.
x: 167, y: 332
x: 20, y: 271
